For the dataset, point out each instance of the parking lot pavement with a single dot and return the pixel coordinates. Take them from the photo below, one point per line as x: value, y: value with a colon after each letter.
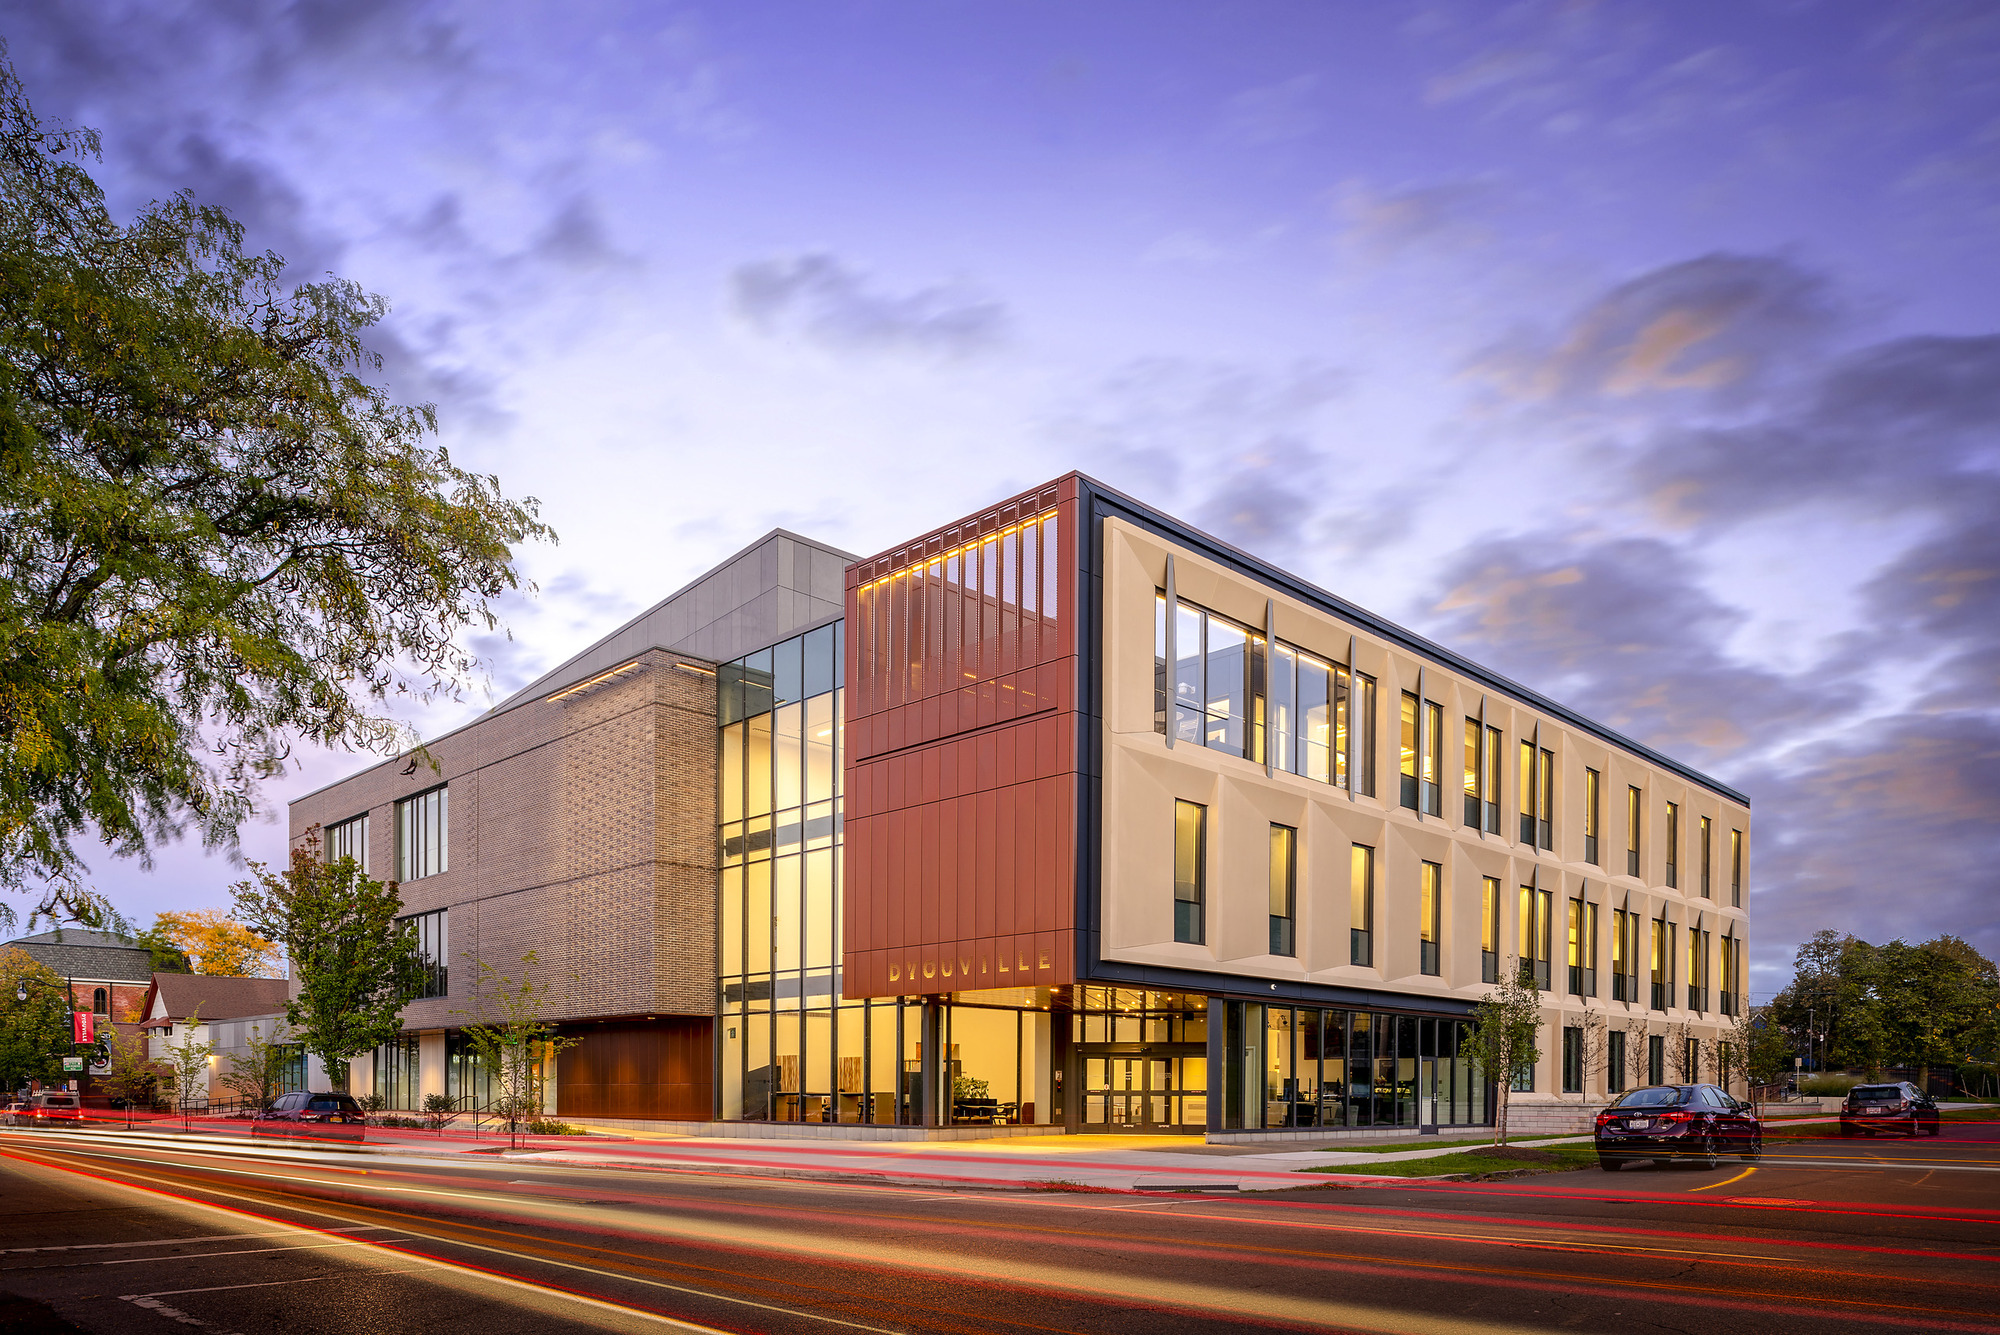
x: 78, y: 1253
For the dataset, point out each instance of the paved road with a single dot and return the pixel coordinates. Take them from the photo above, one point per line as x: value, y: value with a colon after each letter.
x: 1823, y: 1236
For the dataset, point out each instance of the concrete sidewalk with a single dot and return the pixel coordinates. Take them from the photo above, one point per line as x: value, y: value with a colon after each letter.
x: 1115, y: 1163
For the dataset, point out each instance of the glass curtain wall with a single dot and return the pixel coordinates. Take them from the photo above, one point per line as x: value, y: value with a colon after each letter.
x: 791, y: 1049
x: 467, y: 1082
x: 1297, y: 1067
x: 396, y: 1073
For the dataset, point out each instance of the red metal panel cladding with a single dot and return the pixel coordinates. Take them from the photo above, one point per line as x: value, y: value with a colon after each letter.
x: 960, y: 673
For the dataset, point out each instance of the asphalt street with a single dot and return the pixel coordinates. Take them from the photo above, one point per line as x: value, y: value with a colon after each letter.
x: 111, y: 1232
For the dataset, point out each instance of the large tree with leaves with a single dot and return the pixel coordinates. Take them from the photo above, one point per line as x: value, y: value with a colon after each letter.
x: 216, y: 944
x: 356, y: 966
x: 35, y: 1032
x: 217, y: 533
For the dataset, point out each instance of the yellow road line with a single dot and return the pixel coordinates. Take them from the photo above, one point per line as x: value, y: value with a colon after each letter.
x: 1726, y: 1181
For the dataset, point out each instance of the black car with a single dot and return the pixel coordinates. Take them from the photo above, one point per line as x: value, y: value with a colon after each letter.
x: 1898, y: 1107
x: 1698, y: 1122
x: 323, y: 1116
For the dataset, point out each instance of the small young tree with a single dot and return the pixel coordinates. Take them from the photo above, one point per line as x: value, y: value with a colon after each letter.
x: 187, y: 1061
x: 1762, y: 1051
x: 1505, y: 1027
x: 512, y: 1038
x: 357, y: 967
x: 1639, y: 1053
x: 1683, y: 1054
x: 134, y: 1078
x: 1592, y: 1043
x: 257, y: 1074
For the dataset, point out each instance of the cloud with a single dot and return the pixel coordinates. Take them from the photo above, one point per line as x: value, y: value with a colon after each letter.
x: 1732, y: 394
x: 1937, y: 606
x: 1273, y: 113
x: 1568, y: 69
x: 819, y: 298
x: 1624, y: 631
x: 1389, y: 221
x: 1711, y: 330
x: 1893, y: 831
x: 1238, y: 449
x: 575, y: 238
x: 1903, y: 423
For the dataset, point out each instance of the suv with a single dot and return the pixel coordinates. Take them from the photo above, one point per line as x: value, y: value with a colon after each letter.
x: 46, y: 1108
x: 1898, y: 1107
x: 324, y: 1116
x: 1699, y: 1122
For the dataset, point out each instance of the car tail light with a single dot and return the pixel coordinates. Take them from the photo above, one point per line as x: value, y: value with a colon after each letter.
x: 1605, y: 1119
x: 1676, y: 1117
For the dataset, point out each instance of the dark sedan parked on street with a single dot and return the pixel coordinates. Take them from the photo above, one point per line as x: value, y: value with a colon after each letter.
x: 1898, y: 1107
x: 1698, y: 1122
x: 321, y: 1116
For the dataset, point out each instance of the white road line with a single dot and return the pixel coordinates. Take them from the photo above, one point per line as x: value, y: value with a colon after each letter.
x: 266, y: 1284
x: 246, y: 1251
x: 209, y: 1237
x: 151, y: 1301
x: 1908, y: 1165
x: 173, y: 1313
x: 470, y: 1272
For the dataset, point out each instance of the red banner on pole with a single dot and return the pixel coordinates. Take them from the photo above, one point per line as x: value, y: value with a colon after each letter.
x: 81, y: 1022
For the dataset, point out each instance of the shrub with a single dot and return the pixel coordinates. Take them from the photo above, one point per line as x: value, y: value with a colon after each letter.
x: 1828, y: 1086
x: 392, y: 1119
x: 372, y: 1103
x: 440, y: 1111
x: 543, y: 1126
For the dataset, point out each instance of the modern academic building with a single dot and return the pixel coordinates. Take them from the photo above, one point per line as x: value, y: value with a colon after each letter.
x: 1063, y: 815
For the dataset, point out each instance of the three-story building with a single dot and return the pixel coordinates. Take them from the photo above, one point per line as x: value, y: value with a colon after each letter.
x: 1061, y: 815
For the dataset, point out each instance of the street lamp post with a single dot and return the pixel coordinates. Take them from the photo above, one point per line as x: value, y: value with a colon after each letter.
x: 69, y: 1009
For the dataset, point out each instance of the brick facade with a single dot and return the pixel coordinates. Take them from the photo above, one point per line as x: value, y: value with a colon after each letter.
x: 581, y: 828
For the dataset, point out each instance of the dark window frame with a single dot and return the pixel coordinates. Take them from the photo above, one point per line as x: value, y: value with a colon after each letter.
x: 415, y: 860
x: 1191, y: 890
x: 1593, y: 814
x: 1284, y: 872
x: 1430, y: 919
x: 1361, y: 894
x: 433, y: 933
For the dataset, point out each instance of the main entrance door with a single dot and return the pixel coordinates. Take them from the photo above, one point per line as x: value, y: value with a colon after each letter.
x: 1159, y: 1087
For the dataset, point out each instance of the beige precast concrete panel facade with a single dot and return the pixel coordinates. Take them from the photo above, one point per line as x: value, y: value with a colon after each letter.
x: 1143, y: 776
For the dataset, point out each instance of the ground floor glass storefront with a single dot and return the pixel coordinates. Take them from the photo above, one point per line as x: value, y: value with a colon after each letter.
x: 1293, y: 1067
x: 867, y: 1062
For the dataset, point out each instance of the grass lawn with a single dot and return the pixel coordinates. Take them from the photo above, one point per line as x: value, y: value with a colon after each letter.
x: 1508, y: 1159
x: 1425, y: 1144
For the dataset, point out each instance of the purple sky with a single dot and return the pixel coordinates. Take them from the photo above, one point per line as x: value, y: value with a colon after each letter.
x: 1645, y: 352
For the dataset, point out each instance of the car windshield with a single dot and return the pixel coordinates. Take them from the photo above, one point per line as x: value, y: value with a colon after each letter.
x: 338, y: 1103
x: 1658, y: 1097
x: 1877, y: 1094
